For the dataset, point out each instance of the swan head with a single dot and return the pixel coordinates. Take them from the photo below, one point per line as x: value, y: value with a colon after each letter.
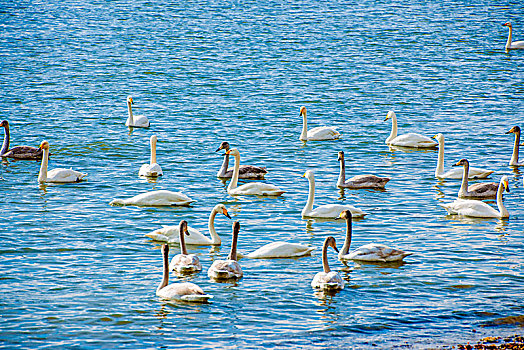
x: 340, y: 156
x: 153, y: 139
x: 221, y: 208
x: 224, y: 145
x: 439, y: 137
x: 303, y: 111
x: 514, y: 130
x: 4, y: 124
x: 183, y: 227
x: 309, y: 175
x: 505, y: 182
x: 44, y: 145
x: 461, y: 162
x: 130, y: 100
x: 346, y: 215
x: 330, y: 242
x: 507, y: 24
x: 234, y: 152
x: 390, y: 115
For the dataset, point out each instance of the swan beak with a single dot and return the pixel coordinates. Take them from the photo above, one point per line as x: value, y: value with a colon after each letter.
x: 386, y: 118
x: 226, y: 213
x: 511, y: 131
x: 339, y: 217
x: 506, y: 185
x: 457, y: 164
x: 304, y: 175
x: 335, y: 247
x: 218, y: 149
x: 228, y: 152
x: 434, y: 137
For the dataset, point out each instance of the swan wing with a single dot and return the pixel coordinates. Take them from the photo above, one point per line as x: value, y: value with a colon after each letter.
x: 225, y: 269
x: 367, y: 181
x: 376, y: 252
x: 322, y: 133
x: 139, y: 121
x: 330, y: 280
x: 171, y: 234
x: 413, y: 140
x: 280, y: 250
x: 186, y: 291
x: 258, y: 188
x: 470, y: 207
x: 159, y: 198
x: 332, y: 211
x: 64, y: 175
x: 483, y: 190
x: 474, y: 173
x: 151, y: 170
x: 24, y: 152
x: 185, y: 263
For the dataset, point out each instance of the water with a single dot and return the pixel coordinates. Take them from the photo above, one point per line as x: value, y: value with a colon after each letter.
x: 79, y: 273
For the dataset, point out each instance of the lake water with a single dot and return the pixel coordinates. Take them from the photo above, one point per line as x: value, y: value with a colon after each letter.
x: 78, y: 273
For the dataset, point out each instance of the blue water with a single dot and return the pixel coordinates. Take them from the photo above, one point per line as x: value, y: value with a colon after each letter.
x: 78, y: 273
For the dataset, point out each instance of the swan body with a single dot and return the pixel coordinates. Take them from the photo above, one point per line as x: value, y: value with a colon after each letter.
x: 372, y: 252
x: 407, y: 140
x: 329, y: 211
x: 136, y: 121
x: 359, y: 181
x: 512, y: 45
x: 478, y: 191
x: 514, y: 161
x: 229, y: 268
x: 252, y: 188
x: 171, y: 234
x: 186, y: 291
x: 321, y: 133
x: 184, y: 263
x: 152, y: 169
x: 455, y: 173
x: 244, y: 172
x: 280, y: 250
x: 155, y: 198
x: 327, y: 279
x: 474, y: 208
x: 58, y: 175
x: 19, y: 152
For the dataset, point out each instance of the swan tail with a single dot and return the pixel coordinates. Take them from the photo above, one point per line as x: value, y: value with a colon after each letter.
x: 155, y: 235
x: 197, y: 298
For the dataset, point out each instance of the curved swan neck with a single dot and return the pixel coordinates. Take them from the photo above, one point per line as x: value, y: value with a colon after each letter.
x: 311, y: 194
x: 347, y: 242
x: 183, y: 249
x: 153, y: 152
x: 464, y: 186
x: 42, y: 175
x: 303, y: 135
x: 130, y: 113
x: 500, y: 204
x: 515, y: 156
x: 234, y: 180
x: 440, y: 161
x: 215, y: 238
x: 165, y: 276
x: 5, y: 145
x: 325, y: 263
x: 233, y: 252
x: 393, y: 133
x: 342, y: 175
x: 225, y: 165
x: 508, y: 43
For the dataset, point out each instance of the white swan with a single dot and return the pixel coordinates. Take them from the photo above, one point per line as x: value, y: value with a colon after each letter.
x: 280, y: 250
x: 359, y: 181
x: 327, y: 279
x: 245, y: 171
x: 152, y: 169
x: 184, y: 263
x: 478, y: 191
x: 455, y: 173
x: 171, y: 233
x: 372, y: 252
x: 136, y: 121
x: 58, y: 175
x: 230, y: 268
x: 512, y: 45
x: 252, y: 188
x: 329, y: 211
x: 186, y: 291
x: 320, y: 133
x: 515, y: 156
x: 155, y: 199
x: 18, y: 152
x: 474, y: 208
x: 407, y: 140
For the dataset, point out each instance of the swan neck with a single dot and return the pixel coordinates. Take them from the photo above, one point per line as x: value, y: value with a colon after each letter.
x: 342, y: 175
x: 515, y: 155
x: 165, y: 276
x: 464, y: 186
x: 325, y: 263
x: 310, y: 195
x: 440, y: 161
x: 215, y: 238
x: 153, y: 153
x: 233, y: 252
x: 183, y: 249
x: 393, y: 133
x: 5, y: 145
x: 508, y: 43
x: 42, y: 175
x: 225, y: 165
x: 500, y: 203
x: 130, y: 113
x: 234, y: 179
x: 347, y: 242
x: 303, y: 135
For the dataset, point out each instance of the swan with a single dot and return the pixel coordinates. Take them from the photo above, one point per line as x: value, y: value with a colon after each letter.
x: 327, y: 279
x: 19, y: 152
x: 58, y: 175
x: 512, y: 45
x: 244, y: 172
x: 230, y: 268
x: 515, y: 156
x: 171, y: 233
x: 152, y: 169
x: 474, y: 208
x: 186, y: 291
x: 252, y: 188
x: 155, y: 199
x: 184, y: 263
x: 455, y: 173
x: 329, y: 211
x: 480, y: 190
x: 320, y: 133
x: 280, y: 250
x: 136, y: 121
x: 372, y: 252
x: 407, y: 140
x: 359, y: 181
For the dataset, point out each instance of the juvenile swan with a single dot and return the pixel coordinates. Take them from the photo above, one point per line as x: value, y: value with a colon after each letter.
x: 359, y: 181
x: 478, y: 191
x: 58, y: 175
x: 184, y: 263
x: 512, y: 45
x: 327, y: 279
x: 186, y: 291
x: 515, y: 156
x: 407, y: 140
x: 320, y: 133
x: 230, y: 268
x: 19, y: 152
x: 152, y: 169
x: 372, y: 252
x: 244, y: 172
x: 155, y: 199
x: 136, y: 121
x: 172, y: 234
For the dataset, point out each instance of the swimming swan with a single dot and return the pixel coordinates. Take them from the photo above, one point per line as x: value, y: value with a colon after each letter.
x: 184, y: 263
x: 252, y: 188
x: 58, y: 175
x: 320, y: 133
x: 407, y: 140
x: 329, y: 211
x: 512, y: 45
x: 474, y: 208
x: 359, y: 181
x: 455, y: 173
x: 152, y: 169
x: 327, y: 279
x: 515, y: 156
x: 478, y: 191
x: 372, y: 252
x: 136, y: 121
x: 186, y: 291
x: 155, y: 199
x: 19, y: 152
x: 281, y: 250
x: 172, y: 234
x: 230, y: 268
x: 244, y: 172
